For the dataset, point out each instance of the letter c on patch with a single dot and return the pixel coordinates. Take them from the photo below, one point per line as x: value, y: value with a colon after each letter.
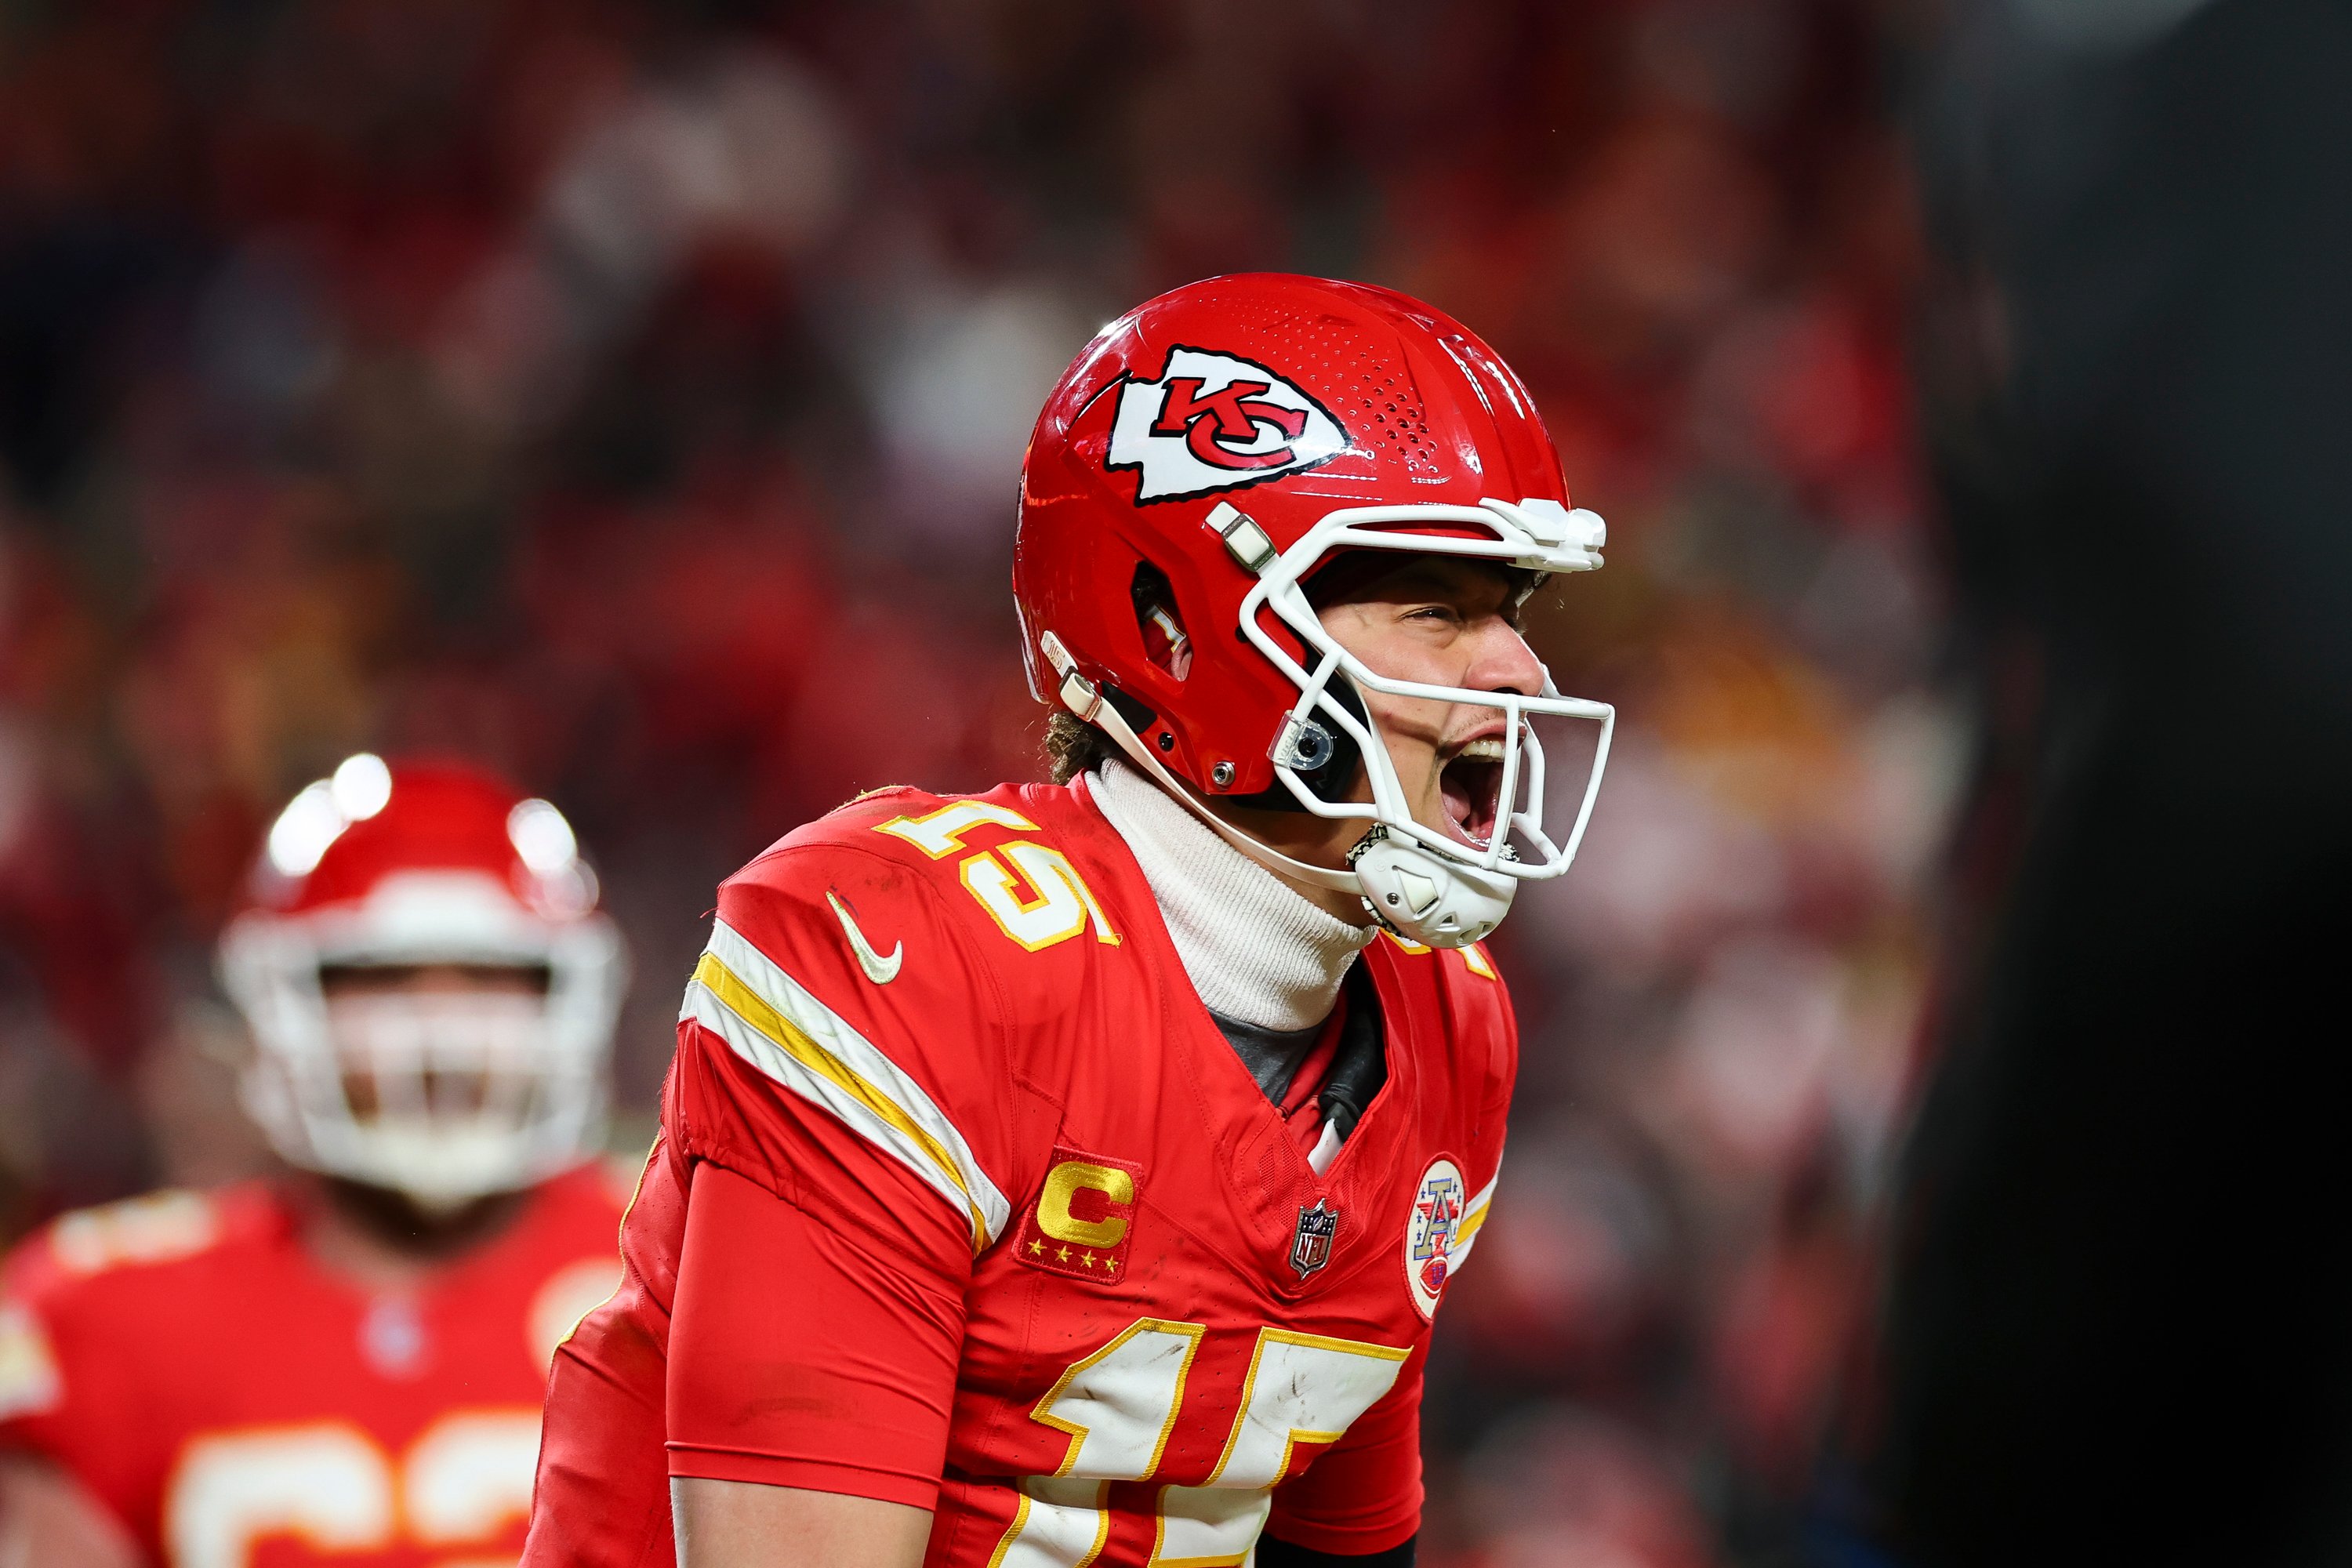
x: 1065, y: 1182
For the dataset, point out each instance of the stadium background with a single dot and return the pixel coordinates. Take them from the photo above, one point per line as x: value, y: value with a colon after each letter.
x: 632, y: 397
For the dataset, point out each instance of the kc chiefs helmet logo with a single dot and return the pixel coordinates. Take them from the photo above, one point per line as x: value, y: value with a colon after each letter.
x: 1215, y: 422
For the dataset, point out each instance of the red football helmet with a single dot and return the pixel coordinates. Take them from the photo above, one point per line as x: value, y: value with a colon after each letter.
x: 1199, y: 462
x: 445, y: 1094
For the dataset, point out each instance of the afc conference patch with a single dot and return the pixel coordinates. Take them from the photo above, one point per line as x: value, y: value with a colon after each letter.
x: 1432, y: 1232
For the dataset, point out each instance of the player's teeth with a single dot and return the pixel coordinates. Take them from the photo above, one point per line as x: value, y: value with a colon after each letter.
x: 1488, y: 750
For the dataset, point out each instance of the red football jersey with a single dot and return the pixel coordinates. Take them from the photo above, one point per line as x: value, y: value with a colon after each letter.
x: 236, y: 1403
x: 965, y: 1202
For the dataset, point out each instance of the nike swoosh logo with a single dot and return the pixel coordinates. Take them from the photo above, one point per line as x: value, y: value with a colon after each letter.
x: 878, y: 969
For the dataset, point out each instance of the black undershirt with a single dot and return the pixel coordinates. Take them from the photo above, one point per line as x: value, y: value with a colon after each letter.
x: 1357, y: 1069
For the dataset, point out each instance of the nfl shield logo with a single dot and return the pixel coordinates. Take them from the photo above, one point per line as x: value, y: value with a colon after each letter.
x: 1311, y: 1248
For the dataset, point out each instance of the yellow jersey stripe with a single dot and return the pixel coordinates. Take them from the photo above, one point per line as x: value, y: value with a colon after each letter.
x: 773, y: 1024
x: 747, y: 1004
x: 1474, y: 1218
x: 835, y: 1038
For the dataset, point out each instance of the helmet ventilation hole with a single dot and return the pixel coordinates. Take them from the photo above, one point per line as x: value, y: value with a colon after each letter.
x: 1165, y: 642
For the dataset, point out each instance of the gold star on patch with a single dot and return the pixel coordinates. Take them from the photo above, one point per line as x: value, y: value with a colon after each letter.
x: 1087, y: 1258
x: 1063, y: 1253
x: 1038, y: 1248
x: 1110, y: 1264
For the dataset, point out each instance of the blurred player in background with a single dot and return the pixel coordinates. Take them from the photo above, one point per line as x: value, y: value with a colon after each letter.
x: 1071, y: 1174
x: 345, y: 1366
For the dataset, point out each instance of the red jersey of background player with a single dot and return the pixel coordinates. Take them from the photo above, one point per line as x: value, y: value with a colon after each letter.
x: 343, y: 1366
x: 232, y: 1402
x: 1158, y: 1321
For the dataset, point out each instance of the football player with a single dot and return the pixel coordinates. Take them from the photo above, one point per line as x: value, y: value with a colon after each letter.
x: 346, y: 1366
x: 1070, y: 1175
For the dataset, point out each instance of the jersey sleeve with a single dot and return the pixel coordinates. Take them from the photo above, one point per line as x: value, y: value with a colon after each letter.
x: 849, y: 1130
x: 66, y: 1382
x: 837, y: 995
x: 1363, y: 1496
x: 33, y: 1414
x: 804, y: 1356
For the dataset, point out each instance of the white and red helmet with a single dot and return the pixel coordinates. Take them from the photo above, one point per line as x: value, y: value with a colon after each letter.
x: 444, y: 1096
x: 1195, y: 467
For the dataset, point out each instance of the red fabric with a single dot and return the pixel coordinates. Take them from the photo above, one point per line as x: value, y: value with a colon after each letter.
x: 1348, y: 1502
x: 805, y: 1307
x: 839, y: 1366
x: 602, y: 1460
x: 191, y: 1341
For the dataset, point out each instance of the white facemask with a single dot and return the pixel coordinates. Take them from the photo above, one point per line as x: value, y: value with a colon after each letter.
x: 1420, y: 881
x: 444, y: 1096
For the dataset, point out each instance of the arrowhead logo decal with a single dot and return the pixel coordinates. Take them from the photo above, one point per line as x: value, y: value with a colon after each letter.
x: 1215, y: 422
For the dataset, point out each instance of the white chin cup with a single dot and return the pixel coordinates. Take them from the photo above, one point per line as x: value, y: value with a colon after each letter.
x: 1427, y: 898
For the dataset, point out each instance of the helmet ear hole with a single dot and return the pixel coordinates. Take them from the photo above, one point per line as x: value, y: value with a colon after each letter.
x: 1336, y: 776
x: 1165, y: 641
x: 1325, y: 757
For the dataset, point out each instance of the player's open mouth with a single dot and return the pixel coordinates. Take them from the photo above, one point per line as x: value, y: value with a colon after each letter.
x: 1471, y: 780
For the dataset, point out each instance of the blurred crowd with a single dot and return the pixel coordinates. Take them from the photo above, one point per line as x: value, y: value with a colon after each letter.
x: 632, y: 396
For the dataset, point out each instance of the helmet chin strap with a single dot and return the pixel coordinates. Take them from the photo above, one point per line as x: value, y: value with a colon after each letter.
x: 1415, y: 893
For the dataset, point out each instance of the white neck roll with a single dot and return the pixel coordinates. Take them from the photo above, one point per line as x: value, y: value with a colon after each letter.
x: 1257, y: 950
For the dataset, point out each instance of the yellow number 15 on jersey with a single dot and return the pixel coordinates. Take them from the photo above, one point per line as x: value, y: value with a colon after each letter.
x: 1031, y: 890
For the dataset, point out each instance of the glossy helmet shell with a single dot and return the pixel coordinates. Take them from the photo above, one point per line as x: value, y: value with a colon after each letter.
x: 1347, y: 395
x: 421, y: 864
x: 366, y: 825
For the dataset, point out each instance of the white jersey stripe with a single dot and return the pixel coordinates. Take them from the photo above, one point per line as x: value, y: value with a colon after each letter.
x: 1474, y: 1217
x: 771, y: 1021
